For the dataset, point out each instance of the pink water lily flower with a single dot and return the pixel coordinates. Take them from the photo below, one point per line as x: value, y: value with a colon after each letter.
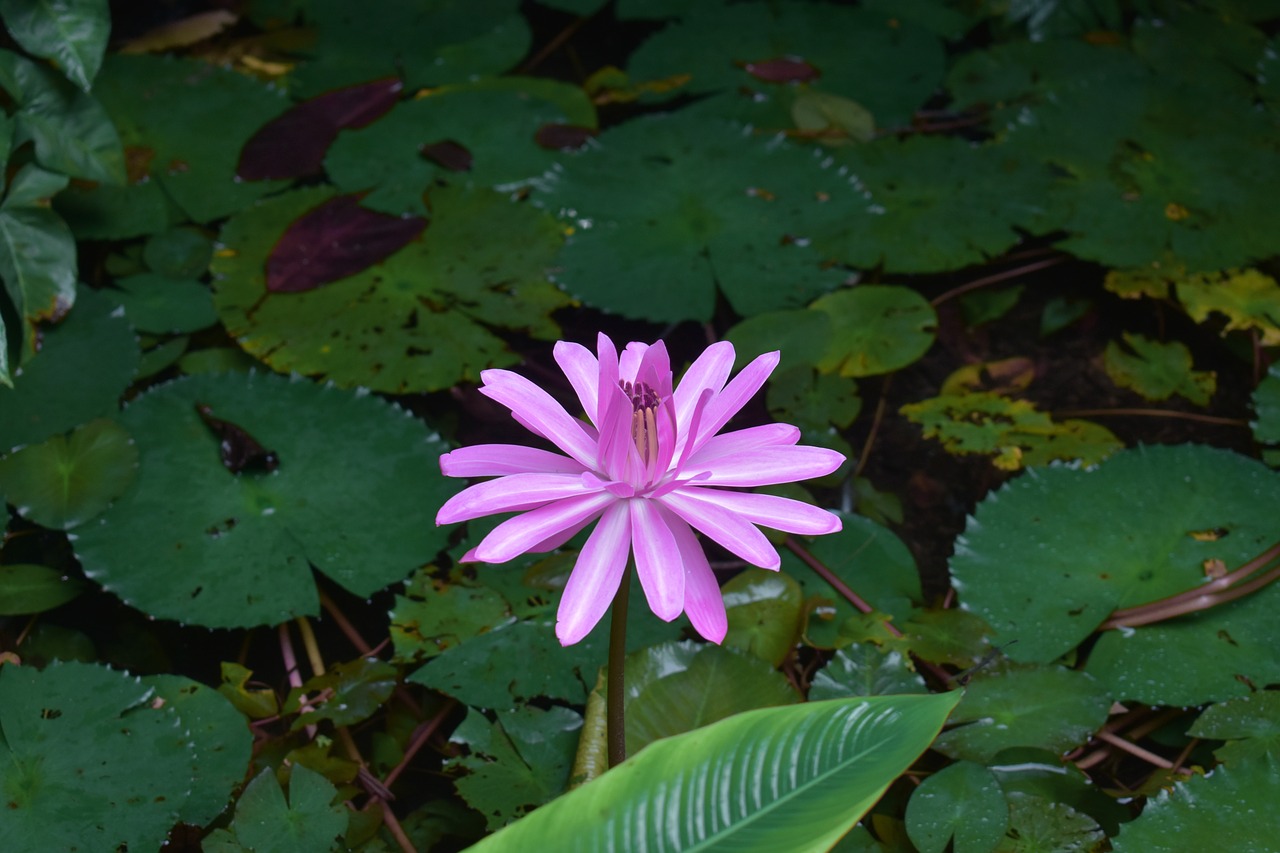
x: 651, y: 467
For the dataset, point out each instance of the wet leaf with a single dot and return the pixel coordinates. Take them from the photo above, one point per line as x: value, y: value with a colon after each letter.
x: 1249, y: 724
x: 73, y: 33
x: 1049, y: 556
x: 1037, y: 824
x: 27, y: 588
x: 256, y: 704
x: 764, y: 610
x: 194, y: 542
x: 336, y: 239
x: 863, y: 669
x: 1158, y: 370
x: 875, y: 329
x: 294, y: 143
x: 264, y: 822
x: 420, y: 319
x: 1046, y: 776
x: 430, y: 617
x: 1013, y: 431
x: 349, y: 693
x: 161, y: 305
x: 716, y: 683
x: 964, y: 802
x: 1050, y: 707
x: 948, y: 635
x: 68, y: 480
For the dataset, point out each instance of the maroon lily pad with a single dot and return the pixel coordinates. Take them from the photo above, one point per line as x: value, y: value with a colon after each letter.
x: 563, y: 137
x: 448, y: 154
x: 782, y: 69
x: 334, y: 240
x: 294, y: 144
x: 237, y: 448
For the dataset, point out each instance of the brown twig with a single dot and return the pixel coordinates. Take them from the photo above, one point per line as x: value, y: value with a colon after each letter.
x: 996, y: 278
x: 875, y: 427
x: 1152, y: 413
x: 421, y: 735
x: 344, y: 624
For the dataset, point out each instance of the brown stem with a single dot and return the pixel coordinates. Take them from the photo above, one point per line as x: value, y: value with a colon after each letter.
x: 1134, y: 750
x: 1151, y: 413
x: 421, y: 735
x: 996, y: 278
x: 344, y: 624
x: 875, y: 427
x: 838, y: 585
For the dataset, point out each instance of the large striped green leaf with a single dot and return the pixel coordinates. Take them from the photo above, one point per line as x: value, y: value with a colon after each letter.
x: 794, y: 778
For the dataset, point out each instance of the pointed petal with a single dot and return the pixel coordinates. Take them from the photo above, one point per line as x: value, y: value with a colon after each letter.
x: 731, y: 531
x: 655, y: 370
x: 769, y: 466
x: 630, y: 359
x: 744, y: 440
x: 515, y: 536
x: 782, y: 514
x: 658, y: 562
x: 557, y: 539
x: 616, y: 445
x: 595, y: 576
x: 582, y: 369
x: 537, y: 409
x: 497, y: 460
x: 513, y: 493
x: 710, y: 370
x: 703, y: 602
x: 608, y: 361
x: 736, y: 394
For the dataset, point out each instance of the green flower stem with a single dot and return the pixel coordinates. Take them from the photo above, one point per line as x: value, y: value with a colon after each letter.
x: 615, y: 691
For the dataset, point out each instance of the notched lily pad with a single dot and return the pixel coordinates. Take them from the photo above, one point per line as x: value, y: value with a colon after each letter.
x: 864, y: 669
x: 1158, y: 370
x: 194, y: 542
x: 875, y: 329
x: 1249, y: 724
x: 416, y: 321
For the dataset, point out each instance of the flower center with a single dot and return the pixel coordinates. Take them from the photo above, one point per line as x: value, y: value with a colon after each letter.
x: 644, y: 418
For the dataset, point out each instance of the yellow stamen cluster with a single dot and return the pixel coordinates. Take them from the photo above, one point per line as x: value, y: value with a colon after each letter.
x: 644, y: 419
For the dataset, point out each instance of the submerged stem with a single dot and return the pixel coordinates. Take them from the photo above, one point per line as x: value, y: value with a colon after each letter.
x: 615, y: 691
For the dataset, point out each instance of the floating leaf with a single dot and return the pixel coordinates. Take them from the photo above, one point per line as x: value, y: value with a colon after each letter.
x: 84, y: 364
x: 417, y: 321
x: 1050, y: 707
x: 715, y: 683
x: 801, y: 336
x: 73, y: 33
x: 668, y: 207
x: 1249, y: 299
x: 835, y: 757
x: 178, y: 253
x: 186, y: 121
x: 811, y: 400
x: 351, y: 693
x: 963, y: 802
x: 1266, y: 403
x: 863, y: 669
x: 1037, y: 824
x: 161, y: 305
x: 191, y: 541
x: 431, y: 618
x: 66, y: 481
x: 336, y: 239
x: 1230, y: 809
x: 1013, y: 431
x: 90, y: 761
x: 26, y: 588
x: 1250, y: 724
x: 1049, y: 556
x: 516, y: 763
x: 831, y: 119
x: 764, y: 610
x: 1158, y: 370
x: 294, y: 143
x: 1049, y: 778
x: 875, y: 329
x: 265, y: 823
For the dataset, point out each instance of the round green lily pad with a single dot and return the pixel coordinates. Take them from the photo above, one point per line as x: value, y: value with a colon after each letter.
x: 962, y: 801
x: 764, y: 610
x: 864, y: 669
x: 28, y: 588
x: 875, y: 329
x: 68, y: 480
x: 161, y: 305
x: 352, y: 495
x: 416, y: 321
x: 666, y: 208
x: 1049, y: 556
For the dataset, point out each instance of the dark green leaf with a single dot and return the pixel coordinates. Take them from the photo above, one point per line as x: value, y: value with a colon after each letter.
x: 265, y: 823
x: 26, y: 588
x: 351, y: 693
x: 73, y: 33
x: 961, y: 802
x: 863, y: 669
x: 764, y: 611
x: 161, y: 305
x: 1250, y: 723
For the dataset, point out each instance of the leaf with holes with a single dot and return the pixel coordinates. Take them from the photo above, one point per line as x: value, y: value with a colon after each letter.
x: 1158, y: 370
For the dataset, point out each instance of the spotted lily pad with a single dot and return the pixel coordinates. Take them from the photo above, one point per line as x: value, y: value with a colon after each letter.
x: 1049, y: 556
x: 666, y: 208
x: 67, y: 480
x: 1249, y: 724
x: 194, y: 542
x: 417, y: 321
x: 764, y: 611
x: 962, y: 801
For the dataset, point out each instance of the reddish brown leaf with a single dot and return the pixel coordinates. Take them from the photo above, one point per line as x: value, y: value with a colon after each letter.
x: 447, y: 154
x: 782, y: 69
x: 294, y: 144
x: 563, y: 137
x: 334, y: 240
x: 237, y: 448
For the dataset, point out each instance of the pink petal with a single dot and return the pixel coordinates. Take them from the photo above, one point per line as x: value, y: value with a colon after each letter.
x: 557, y: 539
x: 538, y: 411
x: 513, y: 493
x: 608, y: 361
x: 783, y: 514
x: 496, y: 460
x: 655, y: 370
x: 730, y: 530
x: 744, y: 440
x: 515, y: 536
x: 582, y: 369
x: 595, y: 577
x: 658, y: 562
x: 616, y: 444
x: 703, y: 602
x: 769, y: 466
x: 736, y: 394
x: 710, y: 370
x: 630, y: 359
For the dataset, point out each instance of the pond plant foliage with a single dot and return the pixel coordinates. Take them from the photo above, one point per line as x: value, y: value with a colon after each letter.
x: 263, y: 261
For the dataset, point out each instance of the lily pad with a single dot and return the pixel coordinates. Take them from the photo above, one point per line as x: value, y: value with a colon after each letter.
x: 162, y: 305
x: 184, y: 122
x: 1049, y: 556
x: 764, y: 610
x: 418, y: 320
x: 1050, y: 707
x: 266, y: 823
x: 863, y: 669
x: 1266, y: 403
x: 27, y: 588
x: 194, y: 542
x: 1158, y: 370
x: 350, y: 693
x: 84, y: 364
x: 1229, y: 809
x: 1039, y: 825
x: 430, y: 618
x: 67, y: 480
x: 495, y: 120
x: 666, y: 208
x: 875, y: 329
x: 963, y: 802
x: 1250, y: 725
